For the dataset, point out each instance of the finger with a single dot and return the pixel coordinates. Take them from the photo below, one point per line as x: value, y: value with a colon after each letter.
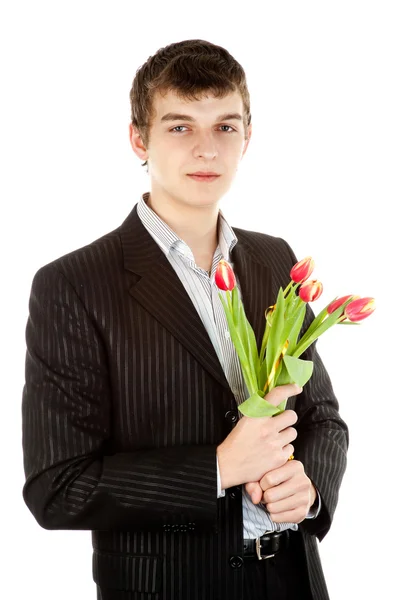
x: 288, y: 435
x: 280, y: 393
x: 285, y: 419
x: 255, y: 491
x: 251, y: 487
x: 288, y: 450
x: 296, y: 501
x: 279, y: 476
x: 289, y: 516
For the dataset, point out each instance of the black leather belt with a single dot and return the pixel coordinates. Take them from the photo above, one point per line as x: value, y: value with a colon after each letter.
x: 267, y: 545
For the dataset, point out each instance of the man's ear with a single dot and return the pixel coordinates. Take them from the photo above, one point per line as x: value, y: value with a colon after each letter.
x: 137, y: 143
x: 247, y: 140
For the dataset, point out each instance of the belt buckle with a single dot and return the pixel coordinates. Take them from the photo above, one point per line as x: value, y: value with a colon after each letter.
x: 258, y: 550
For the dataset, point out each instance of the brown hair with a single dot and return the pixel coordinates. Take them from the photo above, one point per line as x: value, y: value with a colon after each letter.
x: 189, y: 68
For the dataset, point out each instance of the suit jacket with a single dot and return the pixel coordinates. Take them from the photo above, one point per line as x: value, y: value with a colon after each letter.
x: 125, y: 403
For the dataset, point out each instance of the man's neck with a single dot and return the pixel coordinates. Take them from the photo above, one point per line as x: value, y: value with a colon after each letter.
x: 198, y: 227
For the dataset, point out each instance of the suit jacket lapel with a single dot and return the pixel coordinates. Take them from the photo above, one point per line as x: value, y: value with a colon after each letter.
x: 160, y: 291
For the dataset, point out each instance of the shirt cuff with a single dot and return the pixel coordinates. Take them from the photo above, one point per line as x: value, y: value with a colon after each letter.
x: 221, y: 493
x: 315, y: 509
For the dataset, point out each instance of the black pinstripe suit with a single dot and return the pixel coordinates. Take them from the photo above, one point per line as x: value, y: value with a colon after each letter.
x: 125, y: 402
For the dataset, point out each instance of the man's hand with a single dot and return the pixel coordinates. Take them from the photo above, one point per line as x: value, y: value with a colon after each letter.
x: 287, y: 492
x: 257, y: 445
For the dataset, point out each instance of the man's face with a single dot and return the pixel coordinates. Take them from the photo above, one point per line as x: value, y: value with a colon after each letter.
x: 201, y: 141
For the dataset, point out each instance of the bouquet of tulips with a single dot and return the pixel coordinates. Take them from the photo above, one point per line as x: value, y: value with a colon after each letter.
x: 278, y: 362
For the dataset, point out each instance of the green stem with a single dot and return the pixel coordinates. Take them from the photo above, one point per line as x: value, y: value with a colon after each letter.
x: 288, y: 288
x: 229, y: 301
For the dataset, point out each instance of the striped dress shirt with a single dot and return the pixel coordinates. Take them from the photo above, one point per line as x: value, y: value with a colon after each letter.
x: 205, y: 297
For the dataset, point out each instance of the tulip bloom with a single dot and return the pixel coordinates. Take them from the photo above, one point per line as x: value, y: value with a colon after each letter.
x: 224, y: 276
x: 310, y: 290
x: 339, y: 302
x: 302, y: 270
x: 359, y: 309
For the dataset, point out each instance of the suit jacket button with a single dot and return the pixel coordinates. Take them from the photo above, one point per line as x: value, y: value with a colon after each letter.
x: 166, y: 528
x: 231, y: 416
x: 234, y: 491
x: 236, y: 562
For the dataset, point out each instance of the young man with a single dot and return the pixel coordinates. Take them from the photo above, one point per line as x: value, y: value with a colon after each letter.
x: 130, y: 420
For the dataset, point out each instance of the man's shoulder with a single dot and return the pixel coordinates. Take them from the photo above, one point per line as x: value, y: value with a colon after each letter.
x: 250, y: 235
x: 102, y: 255
x: 265, y: 245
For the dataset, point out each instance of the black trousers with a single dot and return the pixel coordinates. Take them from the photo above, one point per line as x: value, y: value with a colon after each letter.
x: 283, y: 577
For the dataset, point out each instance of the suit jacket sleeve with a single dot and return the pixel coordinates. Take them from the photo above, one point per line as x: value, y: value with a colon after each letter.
x: 323, y: 437
x: 71, y: 480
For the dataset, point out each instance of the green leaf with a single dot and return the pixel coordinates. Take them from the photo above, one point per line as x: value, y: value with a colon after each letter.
x: 292, y: 325
x: 257, y: 406
x: 238, y: 322
x: 251, y: 339
x: 248, y: 372
x: 291, y: 302
x: 284, y: 377
x: 245, y: 332
x: 262, y: 375
x: 316, y: 322
x: 275, y: 341
x: 268, y: 323
x: 296, y: 327
x: 300, y: 371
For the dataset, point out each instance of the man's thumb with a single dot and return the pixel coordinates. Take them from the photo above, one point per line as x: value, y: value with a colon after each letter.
x: 255, y: 491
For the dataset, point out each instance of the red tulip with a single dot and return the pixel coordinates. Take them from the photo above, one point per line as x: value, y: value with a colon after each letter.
x: 359, y: 309
x: 224, y: 276
x: 339, y: 302
x: 310, y: 290
x: 302, y: 270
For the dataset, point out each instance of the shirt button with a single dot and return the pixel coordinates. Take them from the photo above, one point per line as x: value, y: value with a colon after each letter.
x: 227, y: 334
x: 236, y: 562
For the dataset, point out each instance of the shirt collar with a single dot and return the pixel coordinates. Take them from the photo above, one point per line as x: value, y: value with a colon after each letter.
x: 168, y: 239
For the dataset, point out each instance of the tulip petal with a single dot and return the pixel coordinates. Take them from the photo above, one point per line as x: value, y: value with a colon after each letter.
x: 302, y: 270
x: 311, y: 290
x: 360, y: 309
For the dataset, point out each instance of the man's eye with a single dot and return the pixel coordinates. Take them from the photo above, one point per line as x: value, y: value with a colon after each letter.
x: 184, y: 127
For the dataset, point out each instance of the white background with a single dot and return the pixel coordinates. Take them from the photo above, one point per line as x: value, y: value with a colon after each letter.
x: 321, y: 171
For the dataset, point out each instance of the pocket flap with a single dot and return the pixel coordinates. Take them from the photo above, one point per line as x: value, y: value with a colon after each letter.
x: 139, y: 573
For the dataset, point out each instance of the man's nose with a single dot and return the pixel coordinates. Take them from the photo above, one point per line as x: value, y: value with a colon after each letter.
x: 205, y: 146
